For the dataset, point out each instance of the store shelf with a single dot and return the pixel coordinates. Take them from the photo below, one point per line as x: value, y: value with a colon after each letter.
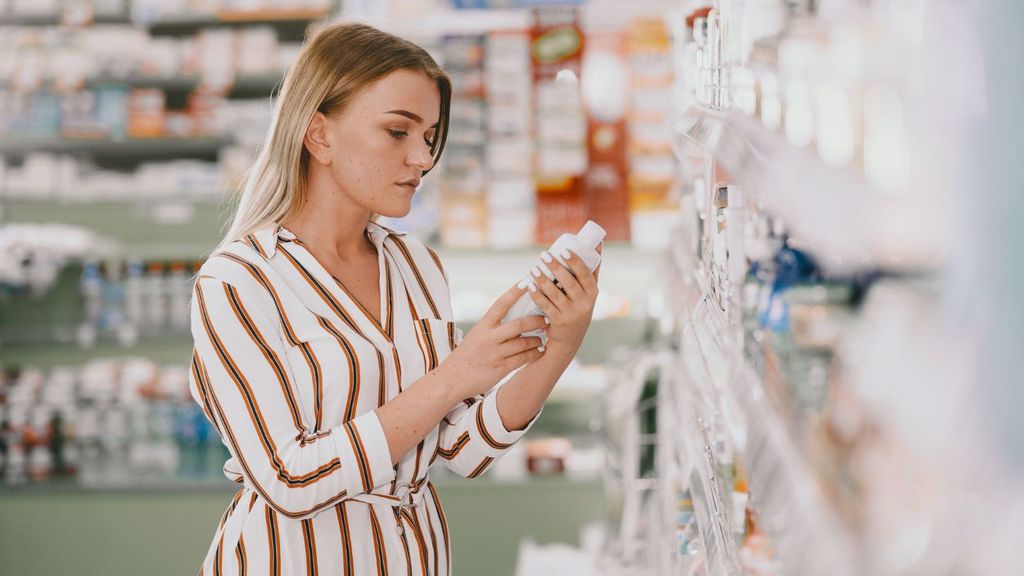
x: 289, y: 24
x: 58, y: 19
x: 156, y: 228
x: 243, y: 86
x: 455, y: 22
x: 786, y: 492
x: 831, y: 212
x: 122, y: 149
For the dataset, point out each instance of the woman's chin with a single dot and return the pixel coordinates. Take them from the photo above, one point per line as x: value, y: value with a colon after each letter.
x: 400, y: 211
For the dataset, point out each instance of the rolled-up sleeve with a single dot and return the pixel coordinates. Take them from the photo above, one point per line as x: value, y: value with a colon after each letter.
x: 473, y: 437
x: 241, y: 377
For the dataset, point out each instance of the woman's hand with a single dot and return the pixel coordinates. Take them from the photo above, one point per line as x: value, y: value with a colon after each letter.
x: 569, y: 305
x: 492, y: 350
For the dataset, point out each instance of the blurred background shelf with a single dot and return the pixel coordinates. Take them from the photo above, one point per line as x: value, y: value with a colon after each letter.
x: 120, y: 149
x: 288, y: 23
x: 243, y: 85
x: 58, y: 19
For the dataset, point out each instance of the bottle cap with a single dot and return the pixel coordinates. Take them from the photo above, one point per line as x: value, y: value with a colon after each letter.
x: 591, y: 234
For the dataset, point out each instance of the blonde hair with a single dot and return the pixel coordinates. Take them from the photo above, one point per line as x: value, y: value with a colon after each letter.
x: 339, y: 60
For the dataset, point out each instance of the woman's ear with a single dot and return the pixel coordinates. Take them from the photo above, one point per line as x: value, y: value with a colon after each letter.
x: 317, y: 141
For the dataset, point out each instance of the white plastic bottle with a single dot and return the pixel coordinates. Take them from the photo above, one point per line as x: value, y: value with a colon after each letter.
x: 584, y: 244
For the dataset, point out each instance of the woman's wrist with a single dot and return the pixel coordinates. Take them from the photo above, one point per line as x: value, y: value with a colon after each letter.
x: 443, y: 380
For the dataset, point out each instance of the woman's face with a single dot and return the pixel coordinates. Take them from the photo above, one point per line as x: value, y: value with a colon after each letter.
x: 377, y: 147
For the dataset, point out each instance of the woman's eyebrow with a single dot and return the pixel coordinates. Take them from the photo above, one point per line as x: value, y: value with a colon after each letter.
x: 414, y: 117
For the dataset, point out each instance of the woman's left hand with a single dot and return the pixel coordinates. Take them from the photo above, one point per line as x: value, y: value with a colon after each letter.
x: 570, y: 308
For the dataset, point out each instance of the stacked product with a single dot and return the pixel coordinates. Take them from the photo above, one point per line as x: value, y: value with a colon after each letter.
x: 510, y: 192
x: 652, y: 166
x: 559, y: 122
x: 464, y: 176
x: 108, y: 422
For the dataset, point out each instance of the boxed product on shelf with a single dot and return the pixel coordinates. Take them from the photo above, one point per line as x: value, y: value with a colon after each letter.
x: 556, y: 45
x: 145, y: 108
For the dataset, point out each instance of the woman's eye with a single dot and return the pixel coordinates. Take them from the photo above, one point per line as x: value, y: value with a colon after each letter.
x: 397, y: 134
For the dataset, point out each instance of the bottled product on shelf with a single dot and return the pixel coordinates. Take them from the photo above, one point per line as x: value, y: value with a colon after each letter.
x: 795, y: 147
x: 108, y: 423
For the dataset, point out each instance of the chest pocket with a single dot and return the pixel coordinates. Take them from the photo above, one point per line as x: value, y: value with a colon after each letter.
x: 438, y: 338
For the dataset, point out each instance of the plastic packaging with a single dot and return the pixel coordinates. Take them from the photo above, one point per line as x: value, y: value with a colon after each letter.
x: 584, y: 244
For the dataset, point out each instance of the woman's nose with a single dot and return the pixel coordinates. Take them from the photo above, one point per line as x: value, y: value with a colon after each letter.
x: 421, y: 159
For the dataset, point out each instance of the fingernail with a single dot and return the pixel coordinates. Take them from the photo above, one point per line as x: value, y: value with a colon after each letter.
x: 545, y: 256
x: 546, y: 321
x: 565, y: 254
x: 523, y: 284
x: 541, y: 348
x: 533, y: 287
x: 535, y: 271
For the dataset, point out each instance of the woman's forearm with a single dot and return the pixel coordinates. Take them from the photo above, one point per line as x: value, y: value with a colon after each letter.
x: 410, y: 416
x: 522, y: 397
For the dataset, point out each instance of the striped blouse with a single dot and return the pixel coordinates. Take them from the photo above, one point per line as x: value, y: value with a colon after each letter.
x: 290, y: 368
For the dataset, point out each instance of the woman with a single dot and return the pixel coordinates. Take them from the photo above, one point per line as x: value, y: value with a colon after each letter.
x: 325, y: 352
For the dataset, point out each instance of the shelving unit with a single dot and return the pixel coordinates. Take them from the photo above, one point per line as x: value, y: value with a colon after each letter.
x: 123, y: 149
x: 243, y: 86
x: 772, y: 422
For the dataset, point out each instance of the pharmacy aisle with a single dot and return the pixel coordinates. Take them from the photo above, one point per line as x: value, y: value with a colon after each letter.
x: 792, y: 367
x: 820, y: 401
x: 126, y: 128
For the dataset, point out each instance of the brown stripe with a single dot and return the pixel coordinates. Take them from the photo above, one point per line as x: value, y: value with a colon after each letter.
x: 235, y: 445
x: 254, y: 411
x: 480, y: 469
x: 405, y: 542
x: 315, y: 370
x: 230, y: 509
x: 346, y: 538
x: 483, y: 430
x: 245, y: 465
x: 310, y: 539
x: 429, y: 337
x: 444, y: 525
x: 416, y: 273
x: 252, y: 501
x: 369, y: 316
x: 390, y: 302
x: 398, y: 366
x: 452, y: 452
x: 433, y: 539
x: 261, y: 277
x: 437, y: 261
x: 417, y: 531
x: 419, y: 341
x: 218, y: 561
x: 240, y: 556
x: 382, y: 383
x: 251, y: 238
x: 451, y: 336
x: 274, y: 540
x: 245, y: 319
x: 322, y: 291
x: 364, y: 466
x: 203, y: 387
x: 378, y: 544
x: 419, y: 454
x: 353, y: 367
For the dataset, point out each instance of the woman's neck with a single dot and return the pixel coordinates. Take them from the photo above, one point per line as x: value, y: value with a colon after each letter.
x: 331, y: 224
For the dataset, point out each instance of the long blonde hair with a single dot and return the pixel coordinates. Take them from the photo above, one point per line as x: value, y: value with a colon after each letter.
x: 340, y: 59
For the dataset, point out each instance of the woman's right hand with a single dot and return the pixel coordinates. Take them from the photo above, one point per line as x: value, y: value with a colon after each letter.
x: 492, y: 350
